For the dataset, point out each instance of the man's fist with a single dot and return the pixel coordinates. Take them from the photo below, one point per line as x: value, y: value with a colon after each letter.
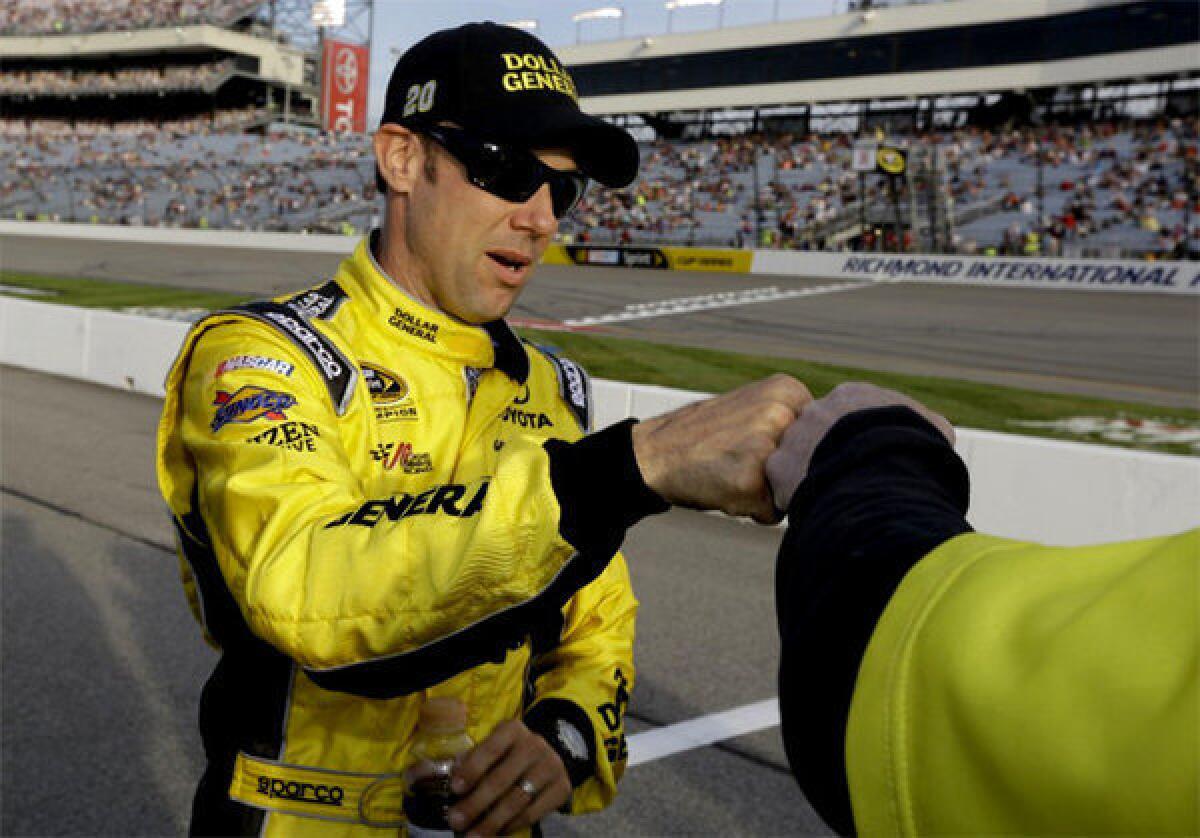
x: 789, y: 465
x: 712, y: 454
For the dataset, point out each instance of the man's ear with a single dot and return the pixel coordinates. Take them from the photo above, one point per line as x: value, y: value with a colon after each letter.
x: 398, y: 157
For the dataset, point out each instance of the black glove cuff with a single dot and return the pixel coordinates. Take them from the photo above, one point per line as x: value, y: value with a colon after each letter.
x: 569, y: 731
x: 599, y: 486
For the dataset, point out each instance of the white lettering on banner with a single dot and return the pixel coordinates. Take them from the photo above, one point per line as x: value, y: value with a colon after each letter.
x: 1129, y: 275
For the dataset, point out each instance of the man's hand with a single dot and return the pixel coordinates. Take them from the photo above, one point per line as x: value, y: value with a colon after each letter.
x: 712, y: 454
x: 508, y: 782
x: 788, y: 466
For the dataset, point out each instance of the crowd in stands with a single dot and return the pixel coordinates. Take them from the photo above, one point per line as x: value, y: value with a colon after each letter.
x: 221, y: 121
x: 1117, y: 187
x: 164, y: 79
x: 1120, y: 189
x: 60, y: 17
x: 277, y: 181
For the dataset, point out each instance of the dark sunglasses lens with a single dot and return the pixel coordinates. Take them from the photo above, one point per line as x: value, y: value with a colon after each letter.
x: 518, y: 179
x: 513, y: 176
x: 565, y: 191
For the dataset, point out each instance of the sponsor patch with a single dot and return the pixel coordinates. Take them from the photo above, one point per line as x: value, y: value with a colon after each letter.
x: 318, y: 793
x: 412, y: 325
x: 526, y: 419
x: 385, y: 387
x: 391, y: 454
x: 396, y: 413
x: 320, y: 303
x: 292, y: 435
x: 613, y: 713
x: 254, y: 362
x: 447, y: 499
x: 248, y: 404
x: 575, y: 388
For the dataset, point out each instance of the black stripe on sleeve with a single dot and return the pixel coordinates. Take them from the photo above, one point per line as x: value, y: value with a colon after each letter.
x: 487, y: 641
x: 884, y: 489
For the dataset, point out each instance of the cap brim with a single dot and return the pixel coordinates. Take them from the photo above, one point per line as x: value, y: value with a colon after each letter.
x: 604, y: 152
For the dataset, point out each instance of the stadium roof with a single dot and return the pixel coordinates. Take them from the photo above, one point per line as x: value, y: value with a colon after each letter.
x: 965, y: 46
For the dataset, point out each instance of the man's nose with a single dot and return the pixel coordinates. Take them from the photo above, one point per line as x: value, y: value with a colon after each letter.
x: 537, y: 214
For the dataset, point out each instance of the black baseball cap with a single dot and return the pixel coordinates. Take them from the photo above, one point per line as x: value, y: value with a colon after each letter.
x: 504, y: 85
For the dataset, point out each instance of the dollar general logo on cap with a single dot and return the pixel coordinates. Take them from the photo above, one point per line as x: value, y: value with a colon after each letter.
x: 535, y: 71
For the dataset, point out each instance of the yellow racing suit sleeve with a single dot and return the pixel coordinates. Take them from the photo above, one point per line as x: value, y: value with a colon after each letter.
x: 582, y: 687
x: 373, y: 596
x: 1014, y: 688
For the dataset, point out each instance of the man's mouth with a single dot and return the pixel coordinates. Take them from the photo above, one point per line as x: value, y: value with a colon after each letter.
x: 513, y: 261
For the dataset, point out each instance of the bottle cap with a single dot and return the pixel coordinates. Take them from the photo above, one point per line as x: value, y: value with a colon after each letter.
x: 443, y: 714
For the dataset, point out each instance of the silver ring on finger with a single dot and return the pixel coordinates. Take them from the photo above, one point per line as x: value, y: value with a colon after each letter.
x: 528, y: 787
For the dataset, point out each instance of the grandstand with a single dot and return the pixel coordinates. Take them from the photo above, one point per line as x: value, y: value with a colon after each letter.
x: 118, y: 65
x: 1047, y: 127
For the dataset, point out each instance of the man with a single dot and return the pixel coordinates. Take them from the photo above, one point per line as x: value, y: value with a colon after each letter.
x: 940, y: 681
x: 382, y: 495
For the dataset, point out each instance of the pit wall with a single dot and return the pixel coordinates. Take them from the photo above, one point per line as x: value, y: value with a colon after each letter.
x: 1022, y: 487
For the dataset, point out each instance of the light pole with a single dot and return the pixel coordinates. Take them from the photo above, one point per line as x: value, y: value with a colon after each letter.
x: 603, y: 13
x: 529, y: 25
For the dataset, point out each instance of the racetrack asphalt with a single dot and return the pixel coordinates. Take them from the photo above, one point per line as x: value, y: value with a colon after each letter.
x: 1141, y: 347
x: 102, y: 664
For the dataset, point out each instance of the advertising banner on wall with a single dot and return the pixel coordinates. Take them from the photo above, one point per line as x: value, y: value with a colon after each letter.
x: 655, y: 258
x: 344, y: 80
x: 1082, y: 274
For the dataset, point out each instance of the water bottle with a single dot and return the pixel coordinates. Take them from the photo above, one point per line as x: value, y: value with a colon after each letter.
x: 441, y: 738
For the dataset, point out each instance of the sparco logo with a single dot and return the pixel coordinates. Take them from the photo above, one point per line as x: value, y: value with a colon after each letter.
x: 301, y: 792
x: 345, y: 70
x: 313, y: 305
x: 575, y: 383
x: 305, y: 335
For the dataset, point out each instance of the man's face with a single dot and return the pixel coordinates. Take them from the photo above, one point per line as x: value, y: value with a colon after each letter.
x: 476, y: 251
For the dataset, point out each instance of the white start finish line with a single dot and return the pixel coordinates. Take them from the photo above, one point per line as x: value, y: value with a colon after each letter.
x: 650, y: 745
x: 708, y: 302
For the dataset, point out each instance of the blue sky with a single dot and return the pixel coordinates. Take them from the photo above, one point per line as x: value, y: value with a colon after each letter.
x: 401, y: 23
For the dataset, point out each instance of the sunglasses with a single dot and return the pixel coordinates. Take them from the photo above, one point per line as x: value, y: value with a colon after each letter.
x: 509, y: 173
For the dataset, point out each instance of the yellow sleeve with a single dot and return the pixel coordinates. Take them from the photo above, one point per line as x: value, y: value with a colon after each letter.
x: 377, y: 597
x: 1020, y: 689
x: 591, y: 669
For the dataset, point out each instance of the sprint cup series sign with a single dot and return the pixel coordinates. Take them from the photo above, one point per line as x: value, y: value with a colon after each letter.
x: 655, y: 258
x: 344, y: 86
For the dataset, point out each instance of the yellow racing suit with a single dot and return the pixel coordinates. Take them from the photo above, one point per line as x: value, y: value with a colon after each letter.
x: 376, y: 503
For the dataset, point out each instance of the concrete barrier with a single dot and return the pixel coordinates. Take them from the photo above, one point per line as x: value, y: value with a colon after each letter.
x: 1022, y: 487
x: 120, y: 350
x: 294, y: 242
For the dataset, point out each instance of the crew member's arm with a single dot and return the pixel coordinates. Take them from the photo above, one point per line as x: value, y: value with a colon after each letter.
x: 974, y: 684
x: 881, y: 487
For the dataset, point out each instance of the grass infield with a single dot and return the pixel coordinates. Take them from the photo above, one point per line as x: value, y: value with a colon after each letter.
x: 964, y: 403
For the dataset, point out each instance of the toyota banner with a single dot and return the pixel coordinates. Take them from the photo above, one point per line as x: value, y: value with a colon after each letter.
x: 344, y: 86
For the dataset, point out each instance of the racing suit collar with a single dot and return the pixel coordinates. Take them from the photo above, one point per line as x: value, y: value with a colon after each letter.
x: 493, y: 345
